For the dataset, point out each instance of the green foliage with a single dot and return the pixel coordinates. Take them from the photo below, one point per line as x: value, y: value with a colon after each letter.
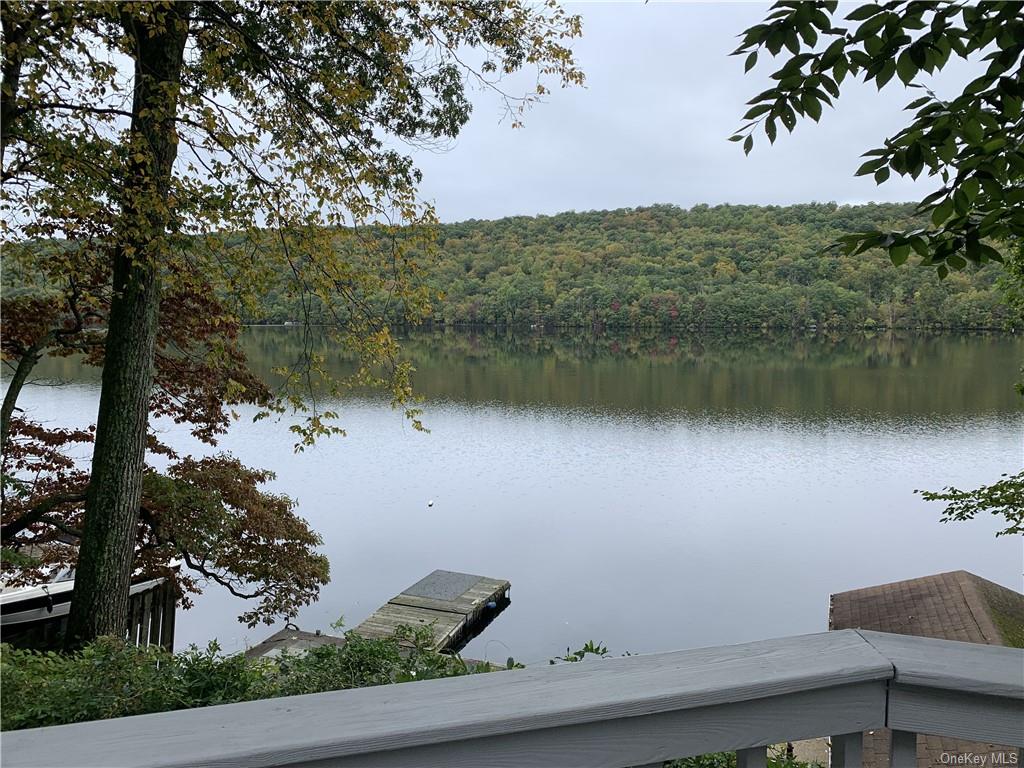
x: 777, y: 758
x: 590, y: 648
x: 1007, y: 612
x: 105, y: 679
x: 109, y: 678
x: 360, y: 662
x: 1011, y: 283
x: 710, y: 760
x: 213, y: 514
x: 1003, y: 498
x: 972, y: 142
x: 17, y: 559
x: 707, y: 267
x: 163, y: 165
x: 721, y: 267
x: 285, y: 122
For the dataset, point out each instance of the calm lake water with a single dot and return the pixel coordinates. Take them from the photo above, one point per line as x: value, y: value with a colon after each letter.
x: 649, y: 494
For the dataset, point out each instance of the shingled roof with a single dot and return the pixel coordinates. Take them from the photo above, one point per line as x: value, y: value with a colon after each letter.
x: 951, y: 606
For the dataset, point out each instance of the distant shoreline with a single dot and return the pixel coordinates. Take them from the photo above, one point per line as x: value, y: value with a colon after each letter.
x: 548, y: 330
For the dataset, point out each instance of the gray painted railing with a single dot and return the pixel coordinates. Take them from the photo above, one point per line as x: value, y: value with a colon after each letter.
x: 631, y: 711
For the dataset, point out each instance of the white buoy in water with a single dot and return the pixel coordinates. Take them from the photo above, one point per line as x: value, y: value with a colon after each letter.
x: 430, y: 503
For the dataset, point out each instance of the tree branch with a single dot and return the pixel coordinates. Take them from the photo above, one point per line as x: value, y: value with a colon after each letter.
x: 147, y: 516
x: 39, y: 513
x: 26, y: 362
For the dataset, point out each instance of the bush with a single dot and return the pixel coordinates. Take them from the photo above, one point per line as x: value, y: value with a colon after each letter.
x: 777, y: 758
x: 110, y: 678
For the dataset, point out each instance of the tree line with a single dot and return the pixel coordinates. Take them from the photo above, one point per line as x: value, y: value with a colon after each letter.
x: 724, y: 266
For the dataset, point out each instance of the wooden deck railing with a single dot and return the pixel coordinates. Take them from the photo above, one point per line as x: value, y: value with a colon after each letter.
x: 37, y: 617
x: 632, y: 711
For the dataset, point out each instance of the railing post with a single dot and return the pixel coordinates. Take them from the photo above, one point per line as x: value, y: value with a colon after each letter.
x: 756, y: 757
x: 167, y: 620
x: 156, y: 609
x: 847, y: 750
x: 903, y: 750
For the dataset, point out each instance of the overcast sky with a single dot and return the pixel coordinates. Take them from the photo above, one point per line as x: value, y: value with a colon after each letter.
x: 652, y: 125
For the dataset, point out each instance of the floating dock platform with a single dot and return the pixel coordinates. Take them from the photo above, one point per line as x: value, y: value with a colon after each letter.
x: 455, y: 606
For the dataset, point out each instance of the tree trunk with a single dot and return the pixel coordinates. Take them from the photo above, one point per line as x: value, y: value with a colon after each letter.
x: 26, y: 363
x: 99, y: 605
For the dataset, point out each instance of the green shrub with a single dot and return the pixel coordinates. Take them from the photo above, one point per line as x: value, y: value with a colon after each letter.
x: 710, y: 760
x: 361, y: 662
x: 777, y: 758
x: 109, y: 678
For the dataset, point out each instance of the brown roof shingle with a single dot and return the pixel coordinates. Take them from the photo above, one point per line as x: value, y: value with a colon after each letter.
x: 951, y: 606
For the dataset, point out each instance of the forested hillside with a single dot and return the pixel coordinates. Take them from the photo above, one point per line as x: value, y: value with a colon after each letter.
x: 722, y: 266
x: 708, y: 267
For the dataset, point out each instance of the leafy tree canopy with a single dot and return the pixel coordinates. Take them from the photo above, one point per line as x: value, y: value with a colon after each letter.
x: 1004, y: 498
x: 973, y: 143
x: 709, y: 267
x: 138, y: 141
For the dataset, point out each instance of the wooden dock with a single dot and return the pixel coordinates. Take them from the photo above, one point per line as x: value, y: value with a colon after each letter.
x: 455, y: 606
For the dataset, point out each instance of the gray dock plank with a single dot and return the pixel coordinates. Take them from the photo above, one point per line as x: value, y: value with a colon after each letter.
x: 453, y: 604
x: 471, y: 600
x: 444, y: 626
x: 443, y: 585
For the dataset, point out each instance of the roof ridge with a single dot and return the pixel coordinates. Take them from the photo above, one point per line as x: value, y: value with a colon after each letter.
x: 978, y: 607
x: 926, y: 577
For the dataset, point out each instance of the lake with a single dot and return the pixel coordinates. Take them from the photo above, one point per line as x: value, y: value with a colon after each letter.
x: 650, y: 494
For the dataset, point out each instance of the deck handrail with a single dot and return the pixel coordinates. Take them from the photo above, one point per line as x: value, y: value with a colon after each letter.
x: 628, y: 711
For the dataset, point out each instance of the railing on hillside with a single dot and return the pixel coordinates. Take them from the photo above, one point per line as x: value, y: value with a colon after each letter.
x: 632, y: 711
x: 37, y: 617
